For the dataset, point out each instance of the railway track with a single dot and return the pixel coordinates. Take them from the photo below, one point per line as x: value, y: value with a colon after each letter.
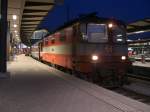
x: 134, y: 95
x: 138, y: 88
x: 134, y: 89
x: 144, y: 78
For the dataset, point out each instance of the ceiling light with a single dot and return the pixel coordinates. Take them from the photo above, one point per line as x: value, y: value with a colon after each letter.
x: 139, y: 32
x: 15, y: 31
x: 119, y: 40
x: 119, y: 35
x: 14, y: 17
x: 15, y: 25
x: 129, y: 40
x: 130, y: 49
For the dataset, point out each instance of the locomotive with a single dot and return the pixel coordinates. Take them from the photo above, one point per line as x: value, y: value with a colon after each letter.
x: 91, y: 47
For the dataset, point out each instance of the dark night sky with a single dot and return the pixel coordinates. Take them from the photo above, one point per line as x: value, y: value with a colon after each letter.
x: 126, y: 10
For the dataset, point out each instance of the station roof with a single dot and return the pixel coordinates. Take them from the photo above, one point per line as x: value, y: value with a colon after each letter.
x: 14, y: 15
x: 139, y: 26
x: 33, y: 13
x: 29, y: 14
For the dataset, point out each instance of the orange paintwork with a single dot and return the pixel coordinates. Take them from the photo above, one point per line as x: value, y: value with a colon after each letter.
x: 58, y: 59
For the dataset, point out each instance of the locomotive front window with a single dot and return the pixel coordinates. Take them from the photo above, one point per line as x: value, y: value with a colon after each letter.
x: 97, y: 33
x: 119, y: 34
x: 94, y: 33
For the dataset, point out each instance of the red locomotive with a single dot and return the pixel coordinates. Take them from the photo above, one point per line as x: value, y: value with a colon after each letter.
x: 94, y: 48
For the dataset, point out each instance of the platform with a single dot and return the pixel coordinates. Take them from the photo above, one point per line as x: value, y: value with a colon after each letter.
x: 140, y: 64
x: 35, y: 87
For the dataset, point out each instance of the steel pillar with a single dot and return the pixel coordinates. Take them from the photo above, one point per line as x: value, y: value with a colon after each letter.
x: 3, y: 35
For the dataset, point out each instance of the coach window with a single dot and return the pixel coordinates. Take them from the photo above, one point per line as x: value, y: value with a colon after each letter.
x: 46, y: 41
x: 62, y: 36
x: 52, y: 40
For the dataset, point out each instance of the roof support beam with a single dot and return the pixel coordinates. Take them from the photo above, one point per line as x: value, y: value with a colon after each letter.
x: 28, y: 24
x: 28, y: 28
x: 31, y: 16
x: 30, y: 3
x: 147, y: 21
x: 31, y: 20
x: 22, y: 30
x: 135, y: 26
x: 34, y: 10
x: 141, y: 28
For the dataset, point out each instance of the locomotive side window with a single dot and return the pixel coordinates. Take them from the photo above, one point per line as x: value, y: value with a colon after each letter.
x: 63, y: 36
x: 83, y: 32
x: 119, y: 34
x: 97, y: 33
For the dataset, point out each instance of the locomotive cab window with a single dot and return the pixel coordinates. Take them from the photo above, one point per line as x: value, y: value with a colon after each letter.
x: 94, y: 33
x: 83, y: 32
x: 119, y: 34
x: 97, y: 33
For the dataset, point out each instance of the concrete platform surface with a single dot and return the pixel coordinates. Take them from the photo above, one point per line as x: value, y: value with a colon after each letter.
x: 138, y: 63
x: 35, y: 87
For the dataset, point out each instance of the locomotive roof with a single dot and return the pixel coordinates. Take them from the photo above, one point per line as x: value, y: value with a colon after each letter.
x: 87, y: 18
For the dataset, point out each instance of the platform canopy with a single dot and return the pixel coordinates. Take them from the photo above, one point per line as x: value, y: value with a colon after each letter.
x: 139, y: 26
x: 24, y: 16
x: 14, y: 15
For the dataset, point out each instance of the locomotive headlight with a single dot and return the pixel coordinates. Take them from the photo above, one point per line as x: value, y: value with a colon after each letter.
x: 110, y: 25
x: 94, y: 57
x: 123, y: 57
